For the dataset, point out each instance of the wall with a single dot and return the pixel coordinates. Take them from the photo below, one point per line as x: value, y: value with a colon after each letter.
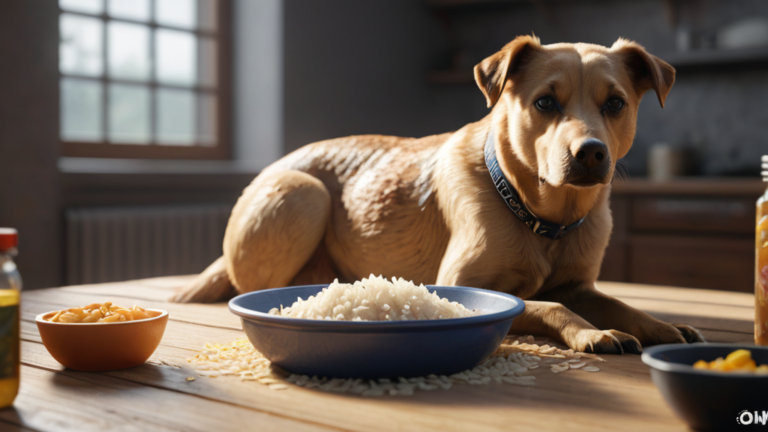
x: 29, y: 141
x: 359, y: 67
x: 257, y: 81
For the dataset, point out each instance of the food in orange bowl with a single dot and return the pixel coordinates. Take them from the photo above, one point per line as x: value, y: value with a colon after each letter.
x: 112, y: 343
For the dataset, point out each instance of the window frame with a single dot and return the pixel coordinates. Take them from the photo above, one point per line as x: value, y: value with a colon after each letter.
x: 107, y: 149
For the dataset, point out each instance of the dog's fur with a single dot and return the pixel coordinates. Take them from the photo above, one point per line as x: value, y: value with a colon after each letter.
x: 426, y: 209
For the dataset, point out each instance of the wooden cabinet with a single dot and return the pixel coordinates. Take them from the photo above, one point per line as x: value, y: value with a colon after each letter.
x: 689, y: 233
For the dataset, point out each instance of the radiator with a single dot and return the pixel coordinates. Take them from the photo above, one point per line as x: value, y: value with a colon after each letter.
x: 114, y: 244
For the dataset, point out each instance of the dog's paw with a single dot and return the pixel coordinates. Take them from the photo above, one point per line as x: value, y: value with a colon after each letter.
x: 689, y: 333
x: 664, y: 333
x: 606, y: 342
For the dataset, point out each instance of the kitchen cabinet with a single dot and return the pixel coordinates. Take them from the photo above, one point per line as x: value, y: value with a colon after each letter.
x: 687, y: 232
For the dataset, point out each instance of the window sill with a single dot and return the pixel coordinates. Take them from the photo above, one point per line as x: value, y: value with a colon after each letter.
x: 74, y: 165
x: 88, y: 182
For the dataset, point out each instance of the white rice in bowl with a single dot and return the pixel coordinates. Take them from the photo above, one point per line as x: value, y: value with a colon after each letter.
x: 375, y: 299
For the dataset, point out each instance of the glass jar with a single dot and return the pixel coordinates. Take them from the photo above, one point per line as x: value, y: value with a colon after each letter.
x: 761, y: 265
x: 10, y: 346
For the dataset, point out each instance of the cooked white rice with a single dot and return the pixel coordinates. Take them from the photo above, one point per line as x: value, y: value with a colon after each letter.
x: 375, y: 299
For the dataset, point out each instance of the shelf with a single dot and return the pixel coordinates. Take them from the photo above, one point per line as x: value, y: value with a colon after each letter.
x: 462, y: 3
x: 719, y: 58
x: 706, y: 60
x: 750, y: 187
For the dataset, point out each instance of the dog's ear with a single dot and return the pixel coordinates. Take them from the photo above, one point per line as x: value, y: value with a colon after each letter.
x: 647, y: 71
x: 491, y: 73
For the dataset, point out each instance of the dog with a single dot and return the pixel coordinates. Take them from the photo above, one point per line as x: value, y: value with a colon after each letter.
x: 517, y: 202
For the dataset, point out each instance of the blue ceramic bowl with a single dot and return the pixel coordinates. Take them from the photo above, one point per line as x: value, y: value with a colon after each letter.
x: 709, y: 400
x: 369, y: 349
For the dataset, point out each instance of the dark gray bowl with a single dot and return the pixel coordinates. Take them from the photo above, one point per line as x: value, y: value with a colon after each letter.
x: 355, y: 349
x: 709, y: 400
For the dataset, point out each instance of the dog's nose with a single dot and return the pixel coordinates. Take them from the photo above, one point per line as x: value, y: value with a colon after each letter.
x: 592, y: 153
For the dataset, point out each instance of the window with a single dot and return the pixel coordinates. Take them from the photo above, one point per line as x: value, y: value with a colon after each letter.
x: 144, y: 78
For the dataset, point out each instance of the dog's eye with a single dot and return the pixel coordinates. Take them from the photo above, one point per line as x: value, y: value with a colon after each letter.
x: 547, y: 103
x: 614, y: 104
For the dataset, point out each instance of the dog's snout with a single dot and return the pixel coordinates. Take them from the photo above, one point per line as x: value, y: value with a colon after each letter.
x: 591, y: 153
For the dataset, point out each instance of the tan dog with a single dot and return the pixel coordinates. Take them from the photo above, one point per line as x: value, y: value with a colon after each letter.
x: 427, y: 209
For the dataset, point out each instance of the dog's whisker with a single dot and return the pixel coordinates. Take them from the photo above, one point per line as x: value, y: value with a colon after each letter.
x: 621, y: 173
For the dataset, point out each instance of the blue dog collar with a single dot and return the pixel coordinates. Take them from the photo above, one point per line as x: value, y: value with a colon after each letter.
x: 512, y: 199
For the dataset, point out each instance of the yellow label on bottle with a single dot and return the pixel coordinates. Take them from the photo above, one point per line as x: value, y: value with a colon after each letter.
x: 9, y: 297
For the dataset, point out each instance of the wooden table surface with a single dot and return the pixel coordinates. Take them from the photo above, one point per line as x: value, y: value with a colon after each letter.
x: 157, y: 397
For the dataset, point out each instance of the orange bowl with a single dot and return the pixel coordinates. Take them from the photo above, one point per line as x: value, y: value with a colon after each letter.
x: 95, y: 347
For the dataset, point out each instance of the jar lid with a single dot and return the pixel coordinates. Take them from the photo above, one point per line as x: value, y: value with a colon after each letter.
x: 9, y: 238
x: 765, y: 168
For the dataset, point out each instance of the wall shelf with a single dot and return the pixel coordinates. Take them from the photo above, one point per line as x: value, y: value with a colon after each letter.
x: 462, y: 3
x: 704, y: 60
x: 719, y: 58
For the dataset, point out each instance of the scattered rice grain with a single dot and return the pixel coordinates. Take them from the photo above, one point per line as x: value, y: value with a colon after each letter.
x: 510, y: 364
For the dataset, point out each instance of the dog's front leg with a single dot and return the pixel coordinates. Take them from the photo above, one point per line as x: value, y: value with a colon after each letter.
x: 606, y: 312
x: 558, y: 322
x: 468, y: 266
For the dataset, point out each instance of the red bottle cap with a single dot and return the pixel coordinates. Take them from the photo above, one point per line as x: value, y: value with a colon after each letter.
x: 9, y: 239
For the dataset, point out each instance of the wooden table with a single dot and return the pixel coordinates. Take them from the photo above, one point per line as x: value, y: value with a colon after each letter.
x: 157, y: 397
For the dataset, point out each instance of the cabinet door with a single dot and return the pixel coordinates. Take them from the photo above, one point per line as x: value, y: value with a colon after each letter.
x: 615, y: 260
x: 697, y: 262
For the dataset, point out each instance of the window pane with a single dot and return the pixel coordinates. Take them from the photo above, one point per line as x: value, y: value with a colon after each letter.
x: 80, y: 49
x: 175, y: 117
x: 129, y: 9
x: 207, y: 14
x: 128, y: 114
x: 80, y: 110
x: 207, y: 115
x: 208, y: 62
x: 176, y: 57
x: 176, y: 13
x: 87, y: 6
x: 128, y: 50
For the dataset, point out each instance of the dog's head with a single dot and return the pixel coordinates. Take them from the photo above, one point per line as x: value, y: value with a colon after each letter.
x: 572, y: 108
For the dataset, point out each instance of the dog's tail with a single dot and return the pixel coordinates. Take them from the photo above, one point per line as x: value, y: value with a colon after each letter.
x: 212, y: 285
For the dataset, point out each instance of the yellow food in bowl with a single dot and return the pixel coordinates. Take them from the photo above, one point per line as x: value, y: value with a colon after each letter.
x: 101, y: 313
x: 737, y: 361
x: 99, y: 346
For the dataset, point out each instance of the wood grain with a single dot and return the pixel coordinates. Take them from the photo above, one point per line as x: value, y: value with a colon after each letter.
x: 156, y: 395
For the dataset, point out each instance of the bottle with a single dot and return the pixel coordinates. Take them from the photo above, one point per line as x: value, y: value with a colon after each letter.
x: 10, y: 345
x: 761, y: 265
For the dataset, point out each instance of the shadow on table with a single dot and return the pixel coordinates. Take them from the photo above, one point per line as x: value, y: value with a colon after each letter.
x: 568, y: 391
x: 738, y: 329
x: 622, y: 386
x: 10, y: 415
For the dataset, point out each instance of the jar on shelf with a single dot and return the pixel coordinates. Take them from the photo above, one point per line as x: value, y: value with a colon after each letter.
x: 761, y: 264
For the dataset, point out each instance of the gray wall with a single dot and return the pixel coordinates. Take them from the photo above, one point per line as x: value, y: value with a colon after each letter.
x: 29, y: 137
x: 257, y: 81
x: 359, y: 67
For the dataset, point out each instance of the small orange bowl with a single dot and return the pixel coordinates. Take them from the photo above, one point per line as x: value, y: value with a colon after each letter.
x: 96, y: 347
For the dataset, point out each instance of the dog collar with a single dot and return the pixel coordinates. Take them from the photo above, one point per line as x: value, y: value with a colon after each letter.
x: 512, y: 199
